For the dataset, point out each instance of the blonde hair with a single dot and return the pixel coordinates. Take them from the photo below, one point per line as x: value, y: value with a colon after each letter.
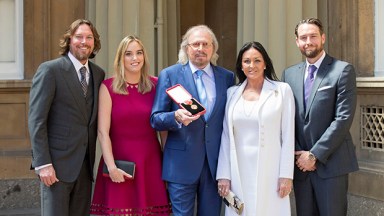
x: 119, y: 84
x: 183, y: 56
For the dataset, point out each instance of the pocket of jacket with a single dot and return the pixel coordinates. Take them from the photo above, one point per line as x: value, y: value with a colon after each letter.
x: 58, y: 131
x: 176, y: 145
x: 324, y: 88
x: 58, y: 137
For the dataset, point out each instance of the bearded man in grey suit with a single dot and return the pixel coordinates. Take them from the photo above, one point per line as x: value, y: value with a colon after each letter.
x: 63, y: 122
x: 325, y: 98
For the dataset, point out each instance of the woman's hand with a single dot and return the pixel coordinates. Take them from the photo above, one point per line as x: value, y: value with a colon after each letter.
x: 224, y: 185
x: 284, y: 187
x: 117, y: 175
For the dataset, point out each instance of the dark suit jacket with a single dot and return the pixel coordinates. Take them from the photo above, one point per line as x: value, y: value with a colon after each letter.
x: 186, y: 147
x: 324, y: 127
x: 60, y: 129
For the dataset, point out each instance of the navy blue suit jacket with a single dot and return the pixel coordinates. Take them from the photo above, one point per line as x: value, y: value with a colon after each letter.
x: 186, y: 147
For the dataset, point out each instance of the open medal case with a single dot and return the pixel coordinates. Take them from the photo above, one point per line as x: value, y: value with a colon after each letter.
x: 182, y: 97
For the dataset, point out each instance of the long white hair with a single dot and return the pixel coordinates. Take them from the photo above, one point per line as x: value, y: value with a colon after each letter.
x: 183, y: 56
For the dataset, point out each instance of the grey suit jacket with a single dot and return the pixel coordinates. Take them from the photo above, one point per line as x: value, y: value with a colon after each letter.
x: 324, y: 127
x: 61, y: 132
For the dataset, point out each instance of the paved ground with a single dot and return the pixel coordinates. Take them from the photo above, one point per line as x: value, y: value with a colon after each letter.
x: 358, y: 206
x: 20, y: 212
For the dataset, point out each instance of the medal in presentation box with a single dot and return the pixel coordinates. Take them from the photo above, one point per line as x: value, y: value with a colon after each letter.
x: 182, y: 97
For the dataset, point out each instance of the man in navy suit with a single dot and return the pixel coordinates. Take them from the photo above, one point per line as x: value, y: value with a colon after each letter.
x: 192, y: 146
x: 63, y: 122
x: 325, y: 98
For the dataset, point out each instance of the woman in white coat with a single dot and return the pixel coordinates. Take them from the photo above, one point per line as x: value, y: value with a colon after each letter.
x: 256, y: 157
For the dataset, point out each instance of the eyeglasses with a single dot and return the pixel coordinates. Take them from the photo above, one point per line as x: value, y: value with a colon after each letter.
x: 197, y: 45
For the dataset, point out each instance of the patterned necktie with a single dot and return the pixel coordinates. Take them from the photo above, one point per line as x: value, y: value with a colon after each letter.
x: 201, y: 89
x: 83, y: 80
x: 308, y: 83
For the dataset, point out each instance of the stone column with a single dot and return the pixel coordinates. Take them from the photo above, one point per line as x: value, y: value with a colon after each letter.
x: 272, y: 23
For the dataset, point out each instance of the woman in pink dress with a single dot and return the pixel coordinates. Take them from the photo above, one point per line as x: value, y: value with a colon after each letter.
x: 125, y: 133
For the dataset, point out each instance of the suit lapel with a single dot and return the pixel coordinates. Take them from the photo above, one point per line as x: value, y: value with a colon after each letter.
x: 220, y: 87
x: 320, y: 75
x: 267, y: 90
x: 232, y: 100
x: 73, y: 83
x: 299, y: 87
x: 95, y: 91
x: 188, y: 82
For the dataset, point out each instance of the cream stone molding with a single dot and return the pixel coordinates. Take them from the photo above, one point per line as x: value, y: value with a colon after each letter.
x: 370, y: 82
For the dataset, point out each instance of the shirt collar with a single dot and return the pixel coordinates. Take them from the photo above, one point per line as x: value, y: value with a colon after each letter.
x: 208, y: 69
x: 77, y: 63
x: 318, y: 62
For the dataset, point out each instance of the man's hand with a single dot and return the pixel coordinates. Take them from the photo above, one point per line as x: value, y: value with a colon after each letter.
x: 185, y: 117
x: 303, y: 161
x: 48, y: 175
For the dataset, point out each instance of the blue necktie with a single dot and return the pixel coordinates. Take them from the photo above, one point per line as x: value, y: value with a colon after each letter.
x: 308, y: 83
x: 201, y: 90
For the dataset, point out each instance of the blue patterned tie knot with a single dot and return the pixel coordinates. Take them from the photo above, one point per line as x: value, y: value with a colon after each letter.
x: 199, y: 73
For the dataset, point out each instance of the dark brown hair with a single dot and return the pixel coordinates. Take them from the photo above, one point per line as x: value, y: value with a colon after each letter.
x: 313, y: 21
x: 66, y: 38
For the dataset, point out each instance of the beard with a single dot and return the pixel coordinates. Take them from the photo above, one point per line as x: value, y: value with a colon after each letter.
x: 312, y: 53
x: 81, y: 56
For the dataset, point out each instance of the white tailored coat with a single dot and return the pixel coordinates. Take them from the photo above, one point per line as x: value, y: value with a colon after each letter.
x: 276, y: 148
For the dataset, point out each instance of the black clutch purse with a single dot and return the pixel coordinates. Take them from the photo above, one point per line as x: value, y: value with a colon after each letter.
x: 126, y: 166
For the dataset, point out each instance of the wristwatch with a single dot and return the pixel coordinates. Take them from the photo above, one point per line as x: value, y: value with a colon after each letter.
x: 311, y: 156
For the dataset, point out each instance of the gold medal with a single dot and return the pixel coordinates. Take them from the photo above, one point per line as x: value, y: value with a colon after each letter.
x: 188, y: 102
x: 194, y: 106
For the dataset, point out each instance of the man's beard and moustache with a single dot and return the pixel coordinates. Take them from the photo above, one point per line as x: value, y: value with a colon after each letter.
x: 312, y: 53
x: 82, y: 56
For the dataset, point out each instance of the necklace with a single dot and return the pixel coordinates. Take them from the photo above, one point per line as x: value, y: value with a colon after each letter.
x: 131, y: 85
x: 249, y: 112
